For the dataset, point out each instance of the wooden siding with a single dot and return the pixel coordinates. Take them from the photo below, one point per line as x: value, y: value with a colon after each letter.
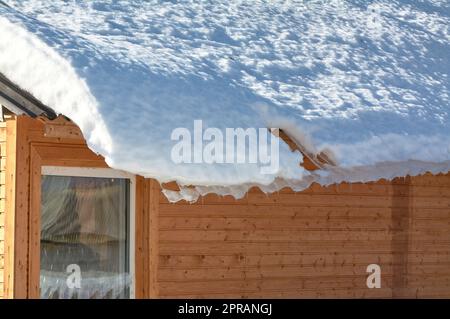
x: 316, y: 243
x: 2, y: 205
x: 33, y: 143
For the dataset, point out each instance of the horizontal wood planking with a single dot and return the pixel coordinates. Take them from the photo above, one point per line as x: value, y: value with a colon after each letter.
x: 294, y: 212
x: 291, y: 294
x: 269, y: 224
x: 420, y: 186
x: 416, y: 270
x: 313, y: 284
x: 219, y: 247
x: 316, y: 243
x: 416, y: 292
x: 298, y: 234
x: 372, y: 190
x: 285, y: 224
x: 330, y: 200
x: 276, y: 288
x: 341, y: 200
x: 269, y: 272
x: 305, y: 259
x: 2, y: 204
x: 61, y: 128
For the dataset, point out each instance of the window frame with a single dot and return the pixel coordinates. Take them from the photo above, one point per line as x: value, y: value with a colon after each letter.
x: 96, y: 172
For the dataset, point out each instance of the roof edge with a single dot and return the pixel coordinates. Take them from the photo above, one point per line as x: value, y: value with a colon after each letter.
x: 20, y: 101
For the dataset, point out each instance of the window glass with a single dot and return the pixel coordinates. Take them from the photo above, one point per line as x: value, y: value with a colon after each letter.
x: 84, y: 237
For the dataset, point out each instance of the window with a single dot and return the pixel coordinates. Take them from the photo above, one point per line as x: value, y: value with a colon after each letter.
x: 86, y: 233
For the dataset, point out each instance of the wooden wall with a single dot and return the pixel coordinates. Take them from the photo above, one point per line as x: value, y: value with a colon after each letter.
x: 33, y: 143
x: 2, y: 204
x: 316, y: 243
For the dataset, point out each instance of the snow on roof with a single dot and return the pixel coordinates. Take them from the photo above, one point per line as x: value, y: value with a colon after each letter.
x: 368, y: 82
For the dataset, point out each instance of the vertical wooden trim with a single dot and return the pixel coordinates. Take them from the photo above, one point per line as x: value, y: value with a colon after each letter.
x: 138, y: 245
x: 154, y: 237
x: 17, y: 168
x: 34, y: 233
x: 10, y: 199
x: 141, y: 249
x: 401, y: 226
x: 146, y: 238
x: 29, y: 149
x: 21, y: 250
x: 2, y: 205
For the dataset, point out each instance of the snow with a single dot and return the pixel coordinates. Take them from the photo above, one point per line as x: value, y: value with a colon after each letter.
x: 366, y: 81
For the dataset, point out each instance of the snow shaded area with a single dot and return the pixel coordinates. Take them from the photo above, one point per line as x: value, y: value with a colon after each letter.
x: 366, y: 80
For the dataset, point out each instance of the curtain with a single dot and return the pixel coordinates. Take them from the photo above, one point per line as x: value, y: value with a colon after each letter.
x: 84, y: 222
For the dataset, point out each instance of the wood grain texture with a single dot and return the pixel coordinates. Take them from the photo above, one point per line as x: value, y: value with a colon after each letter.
x: 153, y: 243
x: 141, y: 286
x: 31, y: 144
x: 316, y: 243
x: 2, y: 205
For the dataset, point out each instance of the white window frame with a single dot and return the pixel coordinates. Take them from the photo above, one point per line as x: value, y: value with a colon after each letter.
x: 106, y: 173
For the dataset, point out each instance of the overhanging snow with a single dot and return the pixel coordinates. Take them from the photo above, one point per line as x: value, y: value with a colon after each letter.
x: 369, y: 83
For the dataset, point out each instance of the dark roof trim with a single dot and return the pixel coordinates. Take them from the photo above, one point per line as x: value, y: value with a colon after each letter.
x: 5, y: 4
x: 19, y: 101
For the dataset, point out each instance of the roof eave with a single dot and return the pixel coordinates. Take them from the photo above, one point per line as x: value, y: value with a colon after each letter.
x: 20, y: 101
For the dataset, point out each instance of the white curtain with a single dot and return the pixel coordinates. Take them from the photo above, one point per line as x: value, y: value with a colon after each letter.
x: 84, y: 221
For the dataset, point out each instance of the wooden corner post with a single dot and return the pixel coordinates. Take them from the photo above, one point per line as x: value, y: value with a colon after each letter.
x: 16, y: 217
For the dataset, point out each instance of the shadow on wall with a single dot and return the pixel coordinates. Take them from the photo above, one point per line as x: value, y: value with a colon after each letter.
x: 401, y: 219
